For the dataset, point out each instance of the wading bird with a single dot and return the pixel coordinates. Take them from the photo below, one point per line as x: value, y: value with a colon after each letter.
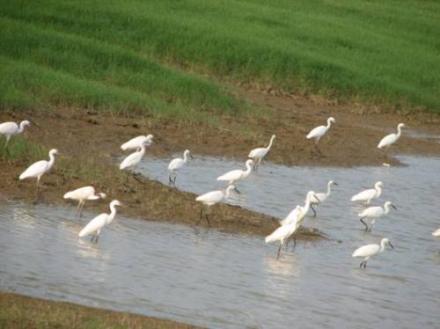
x: 299, y: 213
x: 136, y: 142
x: 39, y: 168
x: 134, y: 158
x: 390, y: 139
x: 176, y: 164
x: 83, y: 194
x: 319, y: 198
x: 211, y: 198
x: 9, y: 129
x: 317, y: 132
x: 95, y: 226
x: 284, y: 232
x: 259, y: 153
x: 367, y: 195
x: 238, y: 174
x: 374, y: 213
x: 371, y: 250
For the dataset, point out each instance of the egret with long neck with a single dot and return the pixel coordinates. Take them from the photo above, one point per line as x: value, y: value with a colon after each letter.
x: 259, y: 153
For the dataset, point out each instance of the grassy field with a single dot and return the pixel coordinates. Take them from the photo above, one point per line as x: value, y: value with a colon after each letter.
x: 143, y: 55
x: 20, y: 312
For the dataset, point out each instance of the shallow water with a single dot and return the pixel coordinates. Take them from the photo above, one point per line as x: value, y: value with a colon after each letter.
x: 233, y: 281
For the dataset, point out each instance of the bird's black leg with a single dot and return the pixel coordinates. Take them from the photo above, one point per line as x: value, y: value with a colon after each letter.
x: 294, y: 242
x: 313, y: 209
x: 170, y: 181
x: 207, y: 219
x: 365, y: 224
x: 279, y: 251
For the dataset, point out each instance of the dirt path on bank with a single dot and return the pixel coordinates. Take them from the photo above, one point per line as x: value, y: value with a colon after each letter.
x: 89, y: 141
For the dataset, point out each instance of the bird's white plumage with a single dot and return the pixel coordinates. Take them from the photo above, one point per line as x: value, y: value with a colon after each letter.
x: 367, y: 250
x: 317, y: 132
x: 133, y: 159
x: 234, y: 175
x: 283, y: 232
x: 9, y: 129
x: 137, y: 142
x: 178, y: 163
x: 39, y: 168
x: 84, y: 193
x: 321, y: 197
x: 436, y: 232
x: 96, y: 224
x: 299, y: 212
x: 213, y: 197
x: 368, y: 195
x: 259, y: 153
x: 376, y: 212
x: 390, y: 139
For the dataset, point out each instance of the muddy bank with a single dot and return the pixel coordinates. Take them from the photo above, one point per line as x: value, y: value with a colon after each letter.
x: 89, y: 142
x: 17, y: 311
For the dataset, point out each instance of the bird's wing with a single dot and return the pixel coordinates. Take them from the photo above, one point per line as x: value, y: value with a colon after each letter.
x: 292, y: 216
x: 95, y: 224
x: 80, y: 193
x: 230, y: 175
x: 279, y: 234
x: 388, y: 139
x: 133, y: 143
x: 257, y: 152
x: 315, y: 132
x: 364, y: 195
x: 213, y: 196
x: 370, y: 212
x: 8, y: 128
x: 34, y: 169
x: 175, y: 164
x: 130, y: 160
x: 367, y: 250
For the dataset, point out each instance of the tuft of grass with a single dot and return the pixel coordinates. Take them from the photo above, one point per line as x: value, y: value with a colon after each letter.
x: 20, y: 149
x: 20, y: 312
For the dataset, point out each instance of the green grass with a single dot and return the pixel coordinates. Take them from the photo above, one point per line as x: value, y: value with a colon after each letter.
x: 21, y: 149
x: 385, y: 51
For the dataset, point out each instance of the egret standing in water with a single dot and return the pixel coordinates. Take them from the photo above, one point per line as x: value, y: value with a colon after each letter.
x: 235, y: 175
x: 367, y: 195
x: 299, y: 213
x: 374, y: 213
x: 211, y: 198
x: 176, y: 164
x: 83, y: 194
x: 39, y: 168
x: 9, y: 129
x: 284, y: 232
x: 95, y: 226
x: 390, y: 139
x: 137, y: 142
x: 259, y: 153
x: 319, y: 198
x: 371, y: 250
x: 318, y: 132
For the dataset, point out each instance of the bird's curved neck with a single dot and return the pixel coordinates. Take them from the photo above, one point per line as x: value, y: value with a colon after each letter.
x: 329, y: 189
x: 185, y: 157
x: 248, y: 169
x: 382, y: 246
x: 329, y: 123
x: 386, y: 208
x: 270, y: 144
x: 227, y: 193
x: 378, y: 191
x: 142, y: 150
x: 399, y: 131
x: 112, y: 214
x: 21, y: 127
x: 51, y: 159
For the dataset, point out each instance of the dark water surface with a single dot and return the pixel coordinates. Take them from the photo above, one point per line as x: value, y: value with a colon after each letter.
x: 233, y: 281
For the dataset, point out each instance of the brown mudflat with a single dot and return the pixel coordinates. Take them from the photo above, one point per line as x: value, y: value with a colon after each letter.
x: 89, y: 141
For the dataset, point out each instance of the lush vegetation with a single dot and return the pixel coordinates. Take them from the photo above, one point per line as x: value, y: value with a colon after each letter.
x: 143, y: 54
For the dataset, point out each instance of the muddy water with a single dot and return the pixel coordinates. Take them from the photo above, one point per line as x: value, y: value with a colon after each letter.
x: 233, y: 281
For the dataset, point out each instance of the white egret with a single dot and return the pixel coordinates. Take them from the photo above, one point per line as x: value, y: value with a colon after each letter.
x: 321, y: 197
x: 137, y: 142
x: 83, y: 194
x: 374, y: 213
x: 368, y: 195
x: 259, y: 153
x: 134, y: 158
x: 317, y: 132
x: 299, y: 213
x: 176, y: 164
x: 39, y: 168
x: 235, y: 175
x: 390, y: 139
x: 436, y: 232
x: 95, y: 226
x: 284, y: 232
x: 370, y: 250
x: 9, y: 129
x: 211, y: 198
